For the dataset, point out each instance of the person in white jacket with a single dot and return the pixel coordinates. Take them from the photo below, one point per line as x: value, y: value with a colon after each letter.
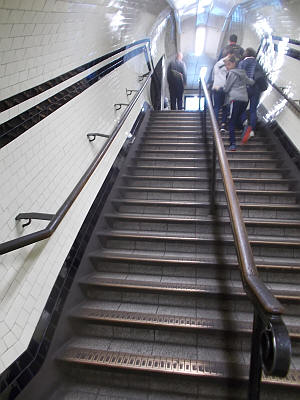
x: 218, y: 95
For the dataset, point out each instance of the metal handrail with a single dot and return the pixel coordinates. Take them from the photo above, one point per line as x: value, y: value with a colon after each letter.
x: 59, y: 215
x: 250, y: 275
x: 289, y: 100
x: 271, y: 346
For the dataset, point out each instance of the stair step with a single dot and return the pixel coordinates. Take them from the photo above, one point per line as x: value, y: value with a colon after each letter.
x: 258, y: 154
x: 196, y: 171
x: 197, y: 243
x: 202, y: 182
x: 208, y: 224
x: 199, y: 161
x: 197, y: 238
x: 171, y: 260
x: 156, y: 134
x: 194, y: 194
x: 256, y: 210
x: 223, y: 290
x: 86, y: 314
x: 159, y: 321
x: 167, y: 365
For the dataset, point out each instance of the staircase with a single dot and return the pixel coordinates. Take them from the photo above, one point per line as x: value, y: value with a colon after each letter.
x: 164, y: 313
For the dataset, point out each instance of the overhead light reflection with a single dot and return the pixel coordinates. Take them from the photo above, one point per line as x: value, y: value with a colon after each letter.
x: 116, y: 21
x: 200, y: 40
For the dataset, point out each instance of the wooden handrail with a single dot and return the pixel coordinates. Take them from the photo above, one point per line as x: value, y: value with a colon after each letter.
x: 45, y: 233
x: 254, y: 287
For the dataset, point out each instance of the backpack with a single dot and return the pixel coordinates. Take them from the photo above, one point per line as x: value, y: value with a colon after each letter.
x: 260, y: 78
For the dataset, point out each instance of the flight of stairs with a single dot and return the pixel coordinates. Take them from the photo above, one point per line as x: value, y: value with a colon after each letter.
x: 165, y: 315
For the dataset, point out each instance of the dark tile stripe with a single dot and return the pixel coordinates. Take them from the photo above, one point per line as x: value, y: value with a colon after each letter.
x: 13, y: 128
x: 292, y: 41
x: 29, y: 93
x: 289, y: 52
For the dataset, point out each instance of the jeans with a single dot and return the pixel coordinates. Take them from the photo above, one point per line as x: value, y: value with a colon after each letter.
x: 237, y: 108
x: 218, y: 97
x: 253, y: 100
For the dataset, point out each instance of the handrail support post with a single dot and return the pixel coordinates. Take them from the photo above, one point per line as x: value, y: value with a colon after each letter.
x: 117, y: 106
x: 92, y: 136
x: 256, y: 359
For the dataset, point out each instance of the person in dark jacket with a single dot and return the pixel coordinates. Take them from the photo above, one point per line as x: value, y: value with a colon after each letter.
x: 249, y: 64
x: 237, y: 50
x: 236, y: 96
x: 176, y: 76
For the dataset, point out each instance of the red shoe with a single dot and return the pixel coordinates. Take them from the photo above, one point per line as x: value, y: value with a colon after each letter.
x: 246, y: 134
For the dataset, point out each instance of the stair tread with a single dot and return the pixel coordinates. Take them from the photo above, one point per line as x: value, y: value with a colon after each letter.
x: 196, y: 168
x: 165, y: 364
x: 172, y: 258
x: 202, y: 150
x: 169, y: 284
x: 200, y: 178
x: 206, y: 204
x: 267, y: 160
x: 197, y: 237
x: 192, y: 219
x: 206, y: 190
x: 177, y: 320
x: 157, y: 319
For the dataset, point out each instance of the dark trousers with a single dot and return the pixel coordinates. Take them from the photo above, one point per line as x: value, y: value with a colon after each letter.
x: 237, y: 108
x: 218, y: 97
x: 176, y: 97
x: 253, y: 100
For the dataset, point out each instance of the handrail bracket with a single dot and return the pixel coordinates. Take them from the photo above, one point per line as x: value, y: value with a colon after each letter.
x: 30, y: 216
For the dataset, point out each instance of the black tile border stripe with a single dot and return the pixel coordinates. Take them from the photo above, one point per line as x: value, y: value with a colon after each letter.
x: 16, y: 126
x: 293, y: 53
x: 292, y: 41
x: 36, y: 90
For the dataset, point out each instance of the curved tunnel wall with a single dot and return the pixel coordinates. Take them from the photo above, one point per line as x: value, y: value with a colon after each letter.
x: 40, y: 41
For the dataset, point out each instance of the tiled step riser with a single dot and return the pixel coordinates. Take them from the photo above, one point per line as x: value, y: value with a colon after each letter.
x: 202, y: 227
x: 236, y: 304
x: 203, y: 173
x: 192, y: 153
x: 195, y: 142
x: 200, y: 211
x: 160, y: 246
x: 162, y: 210
x: 184, y: 127
x: 202, y: 184
x: 205, y: 196
x: 185, y: 137
x: 217, y: 340
x: 202, y: 162
x: 203, y: 272
x: 211, y: 272
x: 174, y: 118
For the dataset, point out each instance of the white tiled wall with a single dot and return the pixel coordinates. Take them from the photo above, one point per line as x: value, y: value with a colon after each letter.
x: 40, y: 40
